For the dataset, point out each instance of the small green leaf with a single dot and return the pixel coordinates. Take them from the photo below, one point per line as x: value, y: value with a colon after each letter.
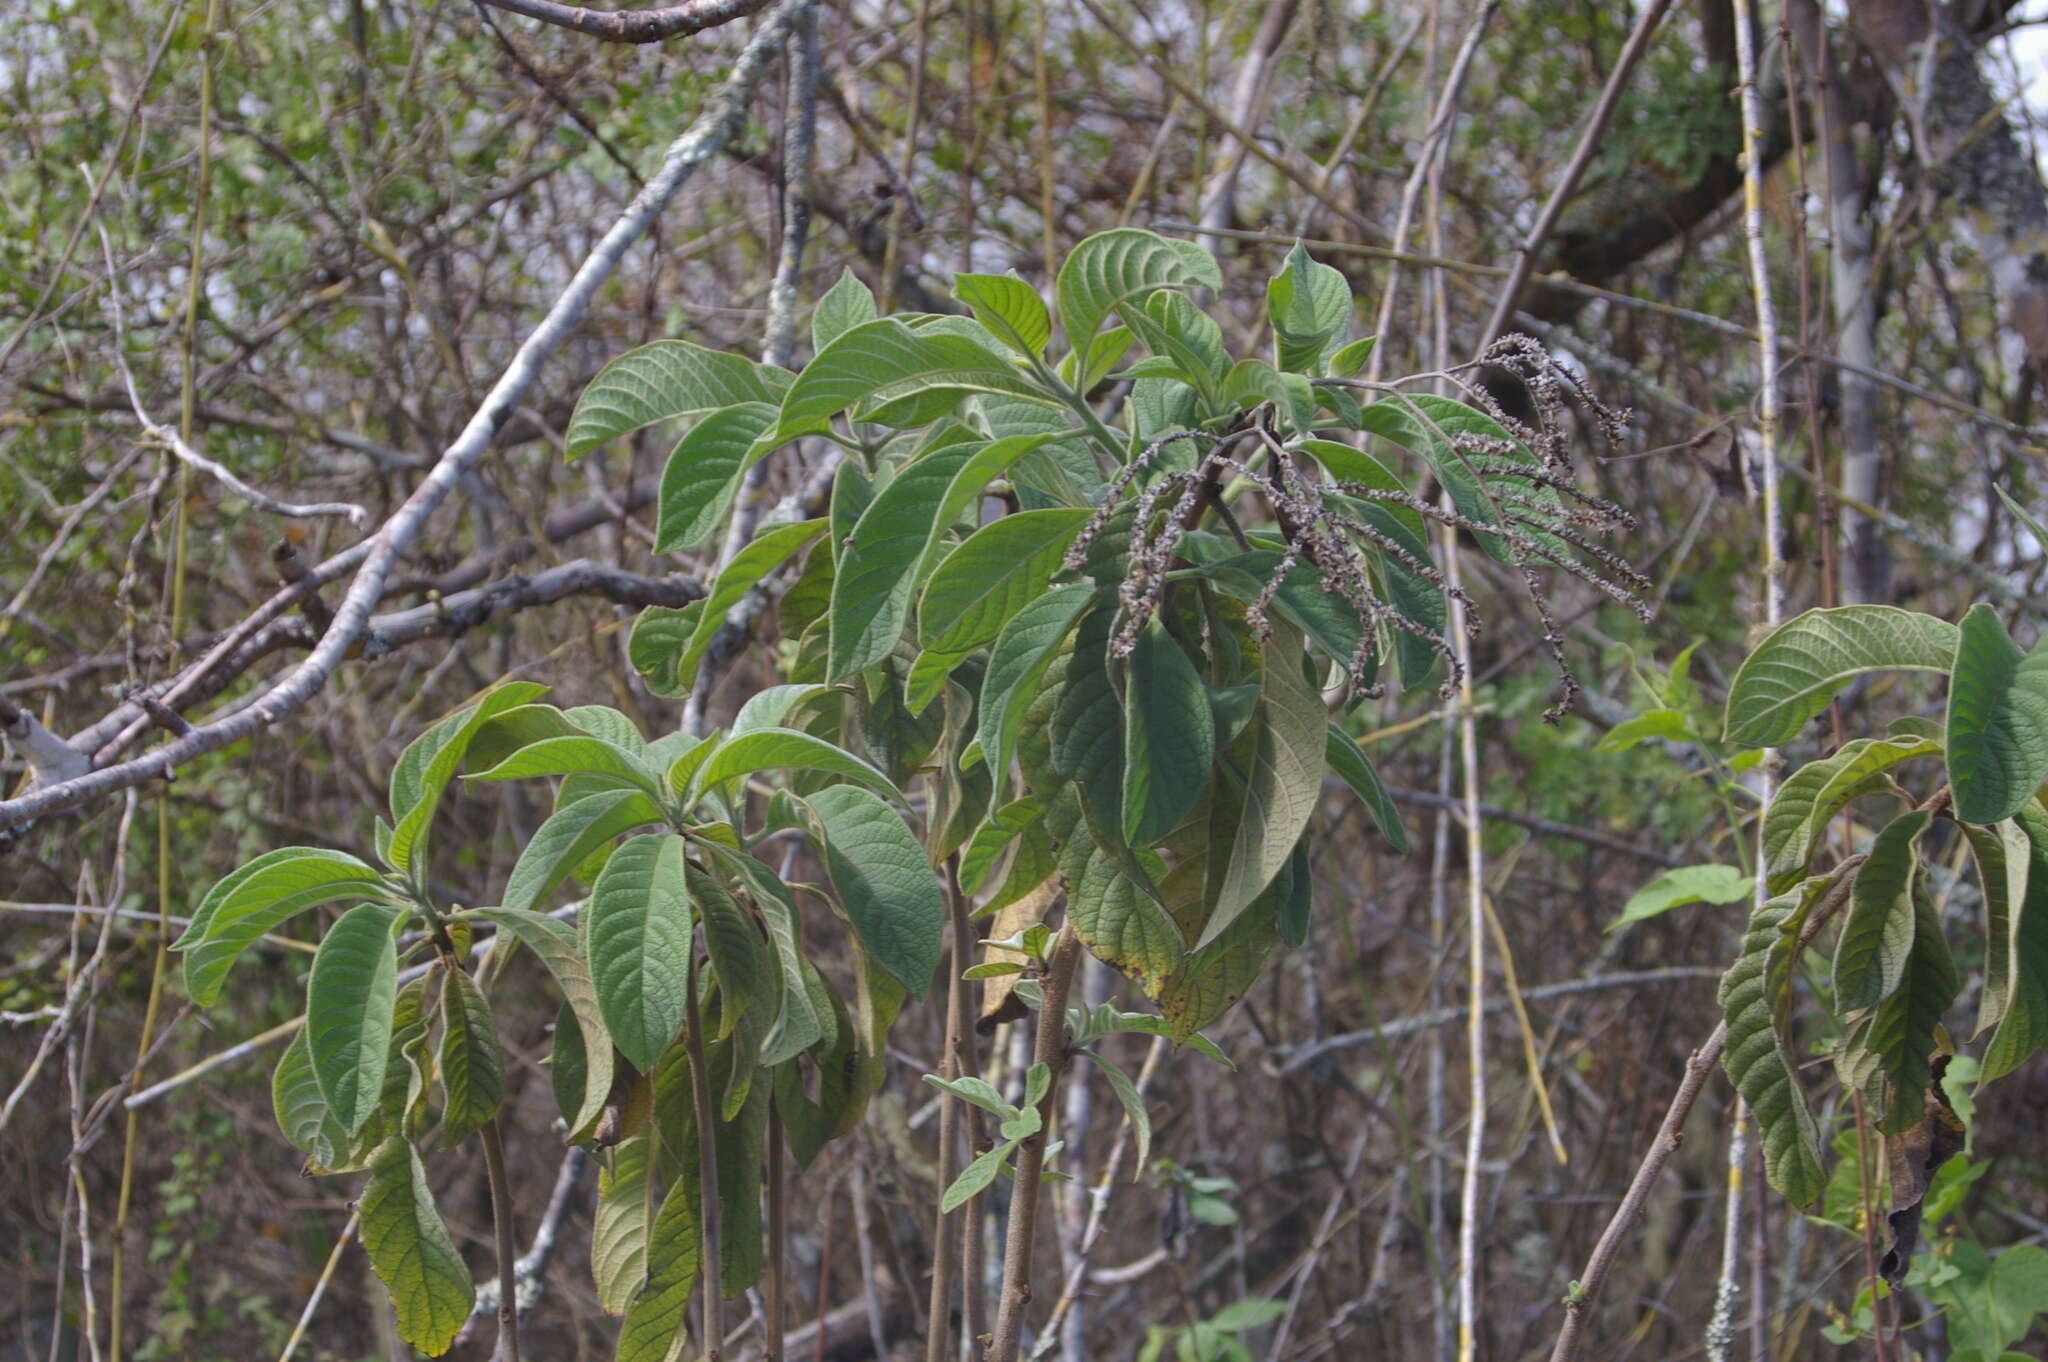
x: 847, y: 304
x: 409, y: 1245
x: 664, y: 381
x: 349, y: 997
x: 1309, y: 304
x: 1349, y: 359
x: 985, y: 848
x: 1792, y: 674
x: 1134, y: 1109
x: 1667, y: 725
x: 1997, y: 720
x: 974, y: 1178
x: 883, y: 882
x: 258, y: 898
x: 1689, y: 884
x: 1877, y: 941
x: 423, y: 770
x: 976, y: 1091
x: 768, y: 551
x: 640, y: 945
x: 1010, y: 308
x: 2024, y: 1027
x: 472, y: 1067
x: 2003, y: 856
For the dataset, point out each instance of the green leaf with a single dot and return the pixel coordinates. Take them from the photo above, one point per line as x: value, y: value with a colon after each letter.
x: 882, y: 882
x: 847, y: 304
x: 1997, y: 720
x: 1793, y: 673
x: 568, y: 837
x: 982, y: 584
x: 770, y: 707
x: 654, y: 1319
x: 349, y: 998
x: 1421, y: 423
x: 664, y: 381
x: 578, y: 756
x: 1810, y: 799
x: 1667, y: 725
x: 555, y: 943
x: 786, y: 749
x: 1118, y: 918
x: 703, y: 473
x: 2024, y: 1027
x: 1253, y: 382
x: 410, y: 1247
x: 1134, y: 1109
x: 877, y: 565
x: 1757, y: 1058
x: 1169, y: 737
x: 472, y: 1067
x: 302, y: 1113
x: 1015, y: 666
x: 640, y: 945
x: 883, y: 362
x: 659, y: 638
x: 1689, y: 884
x: 1010, y: 308
x: 1900, y: 1033
x: 1114, y: 268
x: 769, y: 550
x: 739, y: 957
x: 979, y: 1092
x: 1349, y: 359
x: 2003, y: 856
x: 1087, y: 723
x: 1283, y: 784
x: 1309, y: 304
x: 985, y: 849
x: 1877, y: 940
x: 618, y: 1231
x: 1348, y: 760
x: 975, y: 1177
x: 260, y: 897
x: 424, y: 769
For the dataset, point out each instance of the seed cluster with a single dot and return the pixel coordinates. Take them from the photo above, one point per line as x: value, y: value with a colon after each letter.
x: 1524, y: 479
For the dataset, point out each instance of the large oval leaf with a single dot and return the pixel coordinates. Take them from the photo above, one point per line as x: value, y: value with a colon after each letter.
x: 302, y: 1113
x: 884, y: 361
x: 787, y: 749
x: 349, y: 998
x: 640, y: 945
x: 1877, y: 940
x: 1793, y: 673
x: 568, y: 836
x: 423, y: 770
x: 2023, y: 1028
x: 618, y: 1229
x: 978, y: 587
x: 258, y: 898
x: 1111, y: 269
x: 1756, y: 1057
x: 704, y: 470
x: 1015, y: 666
x: 768, y: 551
x: 409, y: 1246
x: 883, y: 882
x: 578, y: 755
x: 1997, y: 720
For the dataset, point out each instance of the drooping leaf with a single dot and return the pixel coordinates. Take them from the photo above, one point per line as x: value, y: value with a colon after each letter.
x: 472, y: 1067
x: 1134, y: 1109
x: 1016, y: 664
x: 984, y: 850
x: 409, y: 1245
x: 1428, y: 425
x: 768, y: 551
x: 1087, y: 722
x: 568, y: 837
x: 2024, y: 1028
x: 1798, y: 817
x: 1348, y: 760
x: 1169, y: 737
x: 640, y: 945
x: 654, y: 1318
x: 2003, y: 856
x: 555, y: 943
x: 1688, y: 884
x: 1283, y: 784
x: 1792, y: 674
x: 1877, y: 940
x: 1901, y: 1033
x: 739, y: 957
x: 1756, y: 1054
x: 1116, y: 916
x: 258, y: 898
x: 883, y: 882
x: 579, y: 755
x: 302, y: 1113
x: 704, y: 470
x: 618, y: 1230
x: 349, y: 997
x: 982, y: 584
x: 876, y: 573
x: 666, y: 380
x: 1997, y: 720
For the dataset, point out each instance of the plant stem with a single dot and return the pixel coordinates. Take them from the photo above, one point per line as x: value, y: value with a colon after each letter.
x: 707, y: 1171
x: 778, y: 1238
x: 1051, y: 1051
x: 939, y: 1333
x: 507, y: 1349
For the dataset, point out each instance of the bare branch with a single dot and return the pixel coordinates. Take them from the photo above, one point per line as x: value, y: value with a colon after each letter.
x: 634, y: 25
